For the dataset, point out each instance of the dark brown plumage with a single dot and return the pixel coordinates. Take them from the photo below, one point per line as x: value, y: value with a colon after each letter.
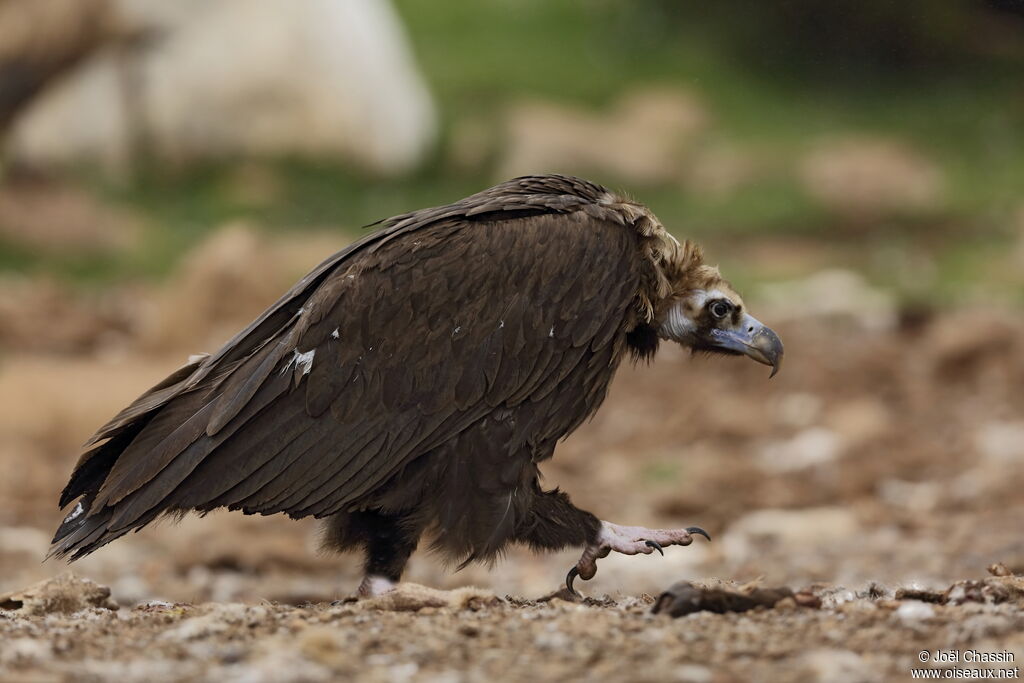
x: 412, y: 382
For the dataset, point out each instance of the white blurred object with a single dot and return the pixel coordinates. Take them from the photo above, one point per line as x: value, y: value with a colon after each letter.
x: 914, y: 610
x: 787, y: 530
x: 834, y: 293
x: 921, y: 497
x: 812, y: 447
x: 1001, y: 442
x: 215, y: 78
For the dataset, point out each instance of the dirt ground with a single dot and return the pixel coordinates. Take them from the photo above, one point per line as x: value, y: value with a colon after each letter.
x: 471, y: 634
x: 880, y: 472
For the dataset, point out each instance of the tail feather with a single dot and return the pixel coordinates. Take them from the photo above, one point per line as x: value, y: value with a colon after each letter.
x: 84, y: 529
x: 78, y: 530
x: 91, y: 523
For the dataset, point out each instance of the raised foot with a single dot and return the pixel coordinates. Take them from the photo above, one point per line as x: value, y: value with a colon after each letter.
x: 628, y: 540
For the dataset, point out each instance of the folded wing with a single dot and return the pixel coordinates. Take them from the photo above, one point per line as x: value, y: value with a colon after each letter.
x: 385, y: 351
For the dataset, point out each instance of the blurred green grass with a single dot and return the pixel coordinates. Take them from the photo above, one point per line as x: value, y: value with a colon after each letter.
x: 478, y: 57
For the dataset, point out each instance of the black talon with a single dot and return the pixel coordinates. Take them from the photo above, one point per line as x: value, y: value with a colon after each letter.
x: 697, y: 530
x: 656, y: 545
x: 573, y: 573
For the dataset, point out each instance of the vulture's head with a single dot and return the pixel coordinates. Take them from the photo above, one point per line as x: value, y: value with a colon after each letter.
x: 704, y: 313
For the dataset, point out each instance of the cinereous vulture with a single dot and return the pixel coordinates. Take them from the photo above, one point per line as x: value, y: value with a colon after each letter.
x: 413, y: 383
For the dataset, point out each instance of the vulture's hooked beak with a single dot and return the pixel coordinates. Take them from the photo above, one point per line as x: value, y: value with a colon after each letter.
x: 753, y: 339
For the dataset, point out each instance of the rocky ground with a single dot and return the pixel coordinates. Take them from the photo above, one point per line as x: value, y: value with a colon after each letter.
x: 877, y: 477
x: 469, y: 634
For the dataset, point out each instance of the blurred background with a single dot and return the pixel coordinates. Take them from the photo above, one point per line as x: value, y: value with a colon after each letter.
x: 856, y: 167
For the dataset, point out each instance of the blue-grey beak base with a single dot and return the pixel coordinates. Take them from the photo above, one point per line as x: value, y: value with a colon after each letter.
x: 752, y: 339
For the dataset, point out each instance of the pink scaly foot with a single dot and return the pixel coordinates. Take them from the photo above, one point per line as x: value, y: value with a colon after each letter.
x: 628, y: 540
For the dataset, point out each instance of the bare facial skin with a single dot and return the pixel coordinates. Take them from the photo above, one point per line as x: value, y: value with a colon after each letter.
x: 716, y: 321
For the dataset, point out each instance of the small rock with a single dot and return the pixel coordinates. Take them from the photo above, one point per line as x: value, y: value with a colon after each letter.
x: 915, y: 610
x: 196, y: 628
x: 64, y: 594
x: 999, y: 569
x: 24, y: 650
x: 805, y: 598
x: 693, y: 673
x: 992, y: 590
x: 412, y: 597
x: 553, y: 640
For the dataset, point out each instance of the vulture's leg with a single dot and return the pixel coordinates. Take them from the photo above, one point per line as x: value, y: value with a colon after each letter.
x: 628, y: 540
x: 555, y: 523
x: 387, y: 540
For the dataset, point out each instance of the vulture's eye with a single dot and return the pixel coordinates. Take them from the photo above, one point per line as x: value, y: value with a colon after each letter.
x: 720, y: 309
